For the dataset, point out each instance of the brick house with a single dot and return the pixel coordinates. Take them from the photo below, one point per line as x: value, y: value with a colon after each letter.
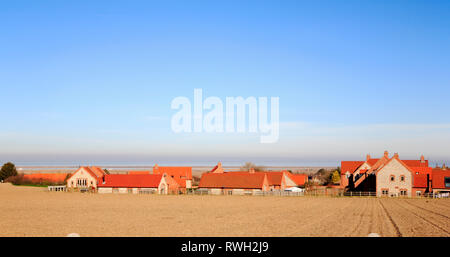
x: 85, y: 178
x: 387, y: 176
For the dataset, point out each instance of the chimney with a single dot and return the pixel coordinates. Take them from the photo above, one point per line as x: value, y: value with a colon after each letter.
x: 395, y: 155
x: 444, y: 167
x: 422, y: 159
x: 252, y: 170
x: 156, y: 169
x: 386, y: 154
x: 368, y: 157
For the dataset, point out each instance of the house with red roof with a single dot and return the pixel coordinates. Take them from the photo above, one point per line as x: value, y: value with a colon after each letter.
x: 441, y: 180
x: 137, y: 183
x: 388, y: 176
x: 182, y: 175
x: 85, y: 178
x: 217, y: 181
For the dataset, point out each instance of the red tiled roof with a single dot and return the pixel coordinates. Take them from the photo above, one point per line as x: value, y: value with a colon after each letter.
x: 350, y: 166
x: 299, y: 179
x: 438, y: 178
x: 243, y: 180
x: 274, y: 177
x: 422, y: 170
x: 175, y: 172
x: 363, y: 171
x: 416, y: 163
x: 132, y: 181
x: 372, y: 162
x: 135, y: 172
x: 420, y: 180
x: 97, y: 171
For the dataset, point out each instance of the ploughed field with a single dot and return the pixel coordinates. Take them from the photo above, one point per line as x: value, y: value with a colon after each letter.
x: 29, y: 211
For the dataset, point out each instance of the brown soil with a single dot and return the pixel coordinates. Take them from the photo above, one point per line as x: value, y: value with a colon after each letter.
x: 29, y: 211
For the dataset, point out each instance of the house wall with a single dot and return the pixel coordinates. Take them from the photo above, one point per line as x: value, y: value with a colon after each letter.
x: 105, y: 190
x: 396, y: 169
x: 81, y: 174
x: 415, y: 190
x: 163, y: 188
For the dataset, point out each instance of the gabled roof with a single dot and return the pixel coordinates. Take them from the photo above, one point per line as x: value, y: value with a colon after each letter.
x: 299, y: 179
x: 132, y: 180
x: 439, y: 176
x: 174, y: 172
x: 95, y: 172
x: 274, y: 178
x: 416, y: 163
x: 372, y: 162
x: 350, y: 166
x: 238, y: 180
x: 400, y: 161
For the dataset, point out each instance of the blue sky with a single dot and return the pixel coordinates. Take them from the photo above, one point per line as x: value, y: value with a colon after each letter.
x: 93, y: 80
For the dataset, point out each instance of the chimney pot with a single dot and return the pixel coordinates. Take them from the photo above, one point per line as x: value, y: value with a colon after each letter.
x: 422, y: 159
x: 444, y: 167
x: 386, y: 154
x: 396, y: 155
x: 368, y: 157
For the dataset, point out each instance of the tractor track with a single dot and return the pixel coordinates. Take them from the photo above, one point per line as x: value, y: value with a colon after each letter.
x: 430, y: 211
x: 397, y: 230
x: 424, y: 219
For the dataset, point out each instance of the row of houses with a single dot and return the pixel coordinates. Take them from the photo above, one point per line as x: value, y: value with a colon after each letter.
x: 217, y: 181
x: 384, y: 176
x: 392, y: 176
x: 164, y: 180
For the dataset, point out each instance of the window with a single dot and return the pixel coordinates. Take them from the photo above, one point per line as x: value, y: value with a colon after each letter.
x: 447, y: 181
x: 403, y: 192
x: 385, y: 192
x: 392, y: 178
x: 402, y: 178
x: 419, y: 193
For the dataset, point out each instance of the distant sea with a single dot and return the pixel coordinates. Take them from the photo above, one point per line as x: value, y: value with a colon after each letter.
x: 172, y: 163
